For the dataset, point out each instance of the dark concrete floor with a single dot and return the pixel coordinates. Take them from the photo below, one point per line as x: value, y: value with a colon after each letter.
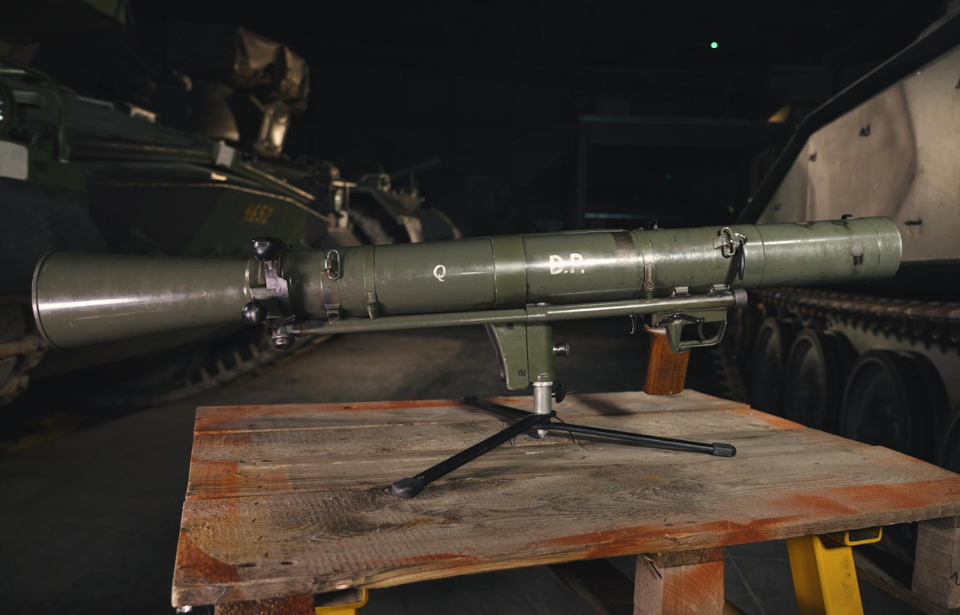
x: 90, y: 520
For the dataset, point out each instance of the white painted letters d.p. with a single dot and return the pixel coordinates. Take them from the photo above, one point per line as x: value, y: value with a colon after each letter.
x: 556, y: 264
x: 576, y: 262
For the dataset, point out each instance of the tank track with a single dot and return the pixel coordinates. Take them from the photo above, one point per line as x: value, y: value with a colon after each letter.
x: 932, y: 321
x: 928, y: 321
x: 226, y: 368
x: 28, y: 347
x: 728, y: 375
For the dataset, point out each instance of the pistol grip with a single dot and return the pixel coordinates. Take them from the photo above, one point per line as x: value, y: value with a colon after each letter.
x: 666, y: 369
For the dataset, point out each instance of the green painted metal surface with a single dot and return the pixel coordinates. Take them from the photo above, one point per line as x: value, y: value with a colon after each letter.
x: 510, y: 342
x: 81, y: 299
x: 609, y: 265
x: 132, y: 293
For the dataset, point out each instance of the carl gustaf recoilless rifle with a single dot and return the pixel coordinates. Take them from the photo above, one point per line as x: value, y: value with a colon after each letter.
x: 678, y: 283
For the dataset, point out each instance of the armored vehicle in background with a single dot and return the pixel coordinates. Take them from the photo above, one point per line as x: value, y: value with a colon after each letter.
x: 194, y: 167
x: 83, y: 174
x: 385, y: 214
x: 879, y: 365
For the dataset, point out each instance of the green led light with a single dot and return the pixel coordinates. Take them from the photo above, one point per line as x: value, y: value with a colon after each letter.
x: 669, y: 176
x: 714, y: 45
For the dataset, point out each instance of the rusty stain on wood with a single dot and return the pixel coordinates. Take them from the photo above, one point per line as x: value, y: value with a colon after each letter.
x: 217, y: 476
x: 294, y: 501
x: 228, y: 478
x: 776, y: 421
x: 626, y: 541
x: 202, y: 567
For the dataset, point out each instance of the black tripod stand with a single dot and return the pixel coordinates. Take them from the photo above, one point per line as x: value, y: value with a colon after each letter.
x: 529, y: 421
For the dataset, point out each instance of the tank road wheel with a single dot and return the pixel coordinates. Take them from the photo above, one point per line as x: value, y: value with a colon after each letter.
x: 816, y: 367
x: 766, y: 372
x: 894, y: 399
x: 897, y: 400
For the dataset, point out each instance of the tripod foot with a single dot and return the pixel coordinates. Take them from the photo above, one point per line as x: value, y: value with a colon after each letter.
x: 407, y: 488
x: 724, y: 450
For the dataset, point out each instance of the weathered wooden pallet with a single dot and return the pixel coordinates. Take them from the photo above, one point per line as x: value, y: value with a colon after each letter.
x: 287, y: 501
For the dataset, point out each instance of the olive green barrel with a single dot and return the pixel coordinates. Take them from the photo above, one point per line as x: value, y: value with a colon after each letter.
x: 474, y: 274
x: 81, y: 299
x: 784, y: 254
x: 513, y: 271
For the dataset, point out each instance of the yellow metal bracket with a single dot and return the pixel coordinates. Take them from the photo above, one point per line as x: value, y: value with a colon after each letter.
x: 824, y: 574
x: 339, y: 607
x: 855, y: 538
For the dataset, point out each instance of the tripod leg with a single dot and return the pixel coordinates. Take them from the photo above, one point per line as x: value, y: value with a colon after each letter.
x: 409, y: 487
x: 715, y: 448
x: 498, y: 409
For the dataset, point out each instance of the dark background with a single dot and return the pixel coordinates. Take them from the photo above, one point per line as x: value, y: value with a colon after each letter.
x: 544, y: 115
x: 495, y: 91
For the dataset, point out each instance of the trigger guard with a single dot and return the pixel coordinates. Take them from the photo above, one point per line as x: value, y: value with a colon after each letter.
x: 497, y: 353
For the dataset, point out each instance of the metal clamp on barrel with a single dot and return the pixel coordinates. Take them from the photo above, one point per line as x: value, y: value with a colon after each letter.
x: 267, y: 251
x: 731, y: 245
x: 370, y: 282
x: 330, y: 294
x: 646, y: 260
x: 331, y: 265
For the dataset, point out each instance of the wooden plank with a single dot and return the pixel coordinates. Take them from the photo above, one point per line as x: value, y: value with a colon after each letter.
x: 453, y: 424
x: 306, y: 416
x: 274, y: 473
x: 275, y: 509
x: 679, y: 583
x: 936, y: 569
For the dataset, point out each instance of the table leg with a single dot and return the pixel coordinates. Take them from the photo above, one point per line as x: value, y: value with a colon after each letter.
x: 346, y: 602
x: 936, y: 573
x: 679, y: 583
x: 290, y: 605
x: 824, y: 575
